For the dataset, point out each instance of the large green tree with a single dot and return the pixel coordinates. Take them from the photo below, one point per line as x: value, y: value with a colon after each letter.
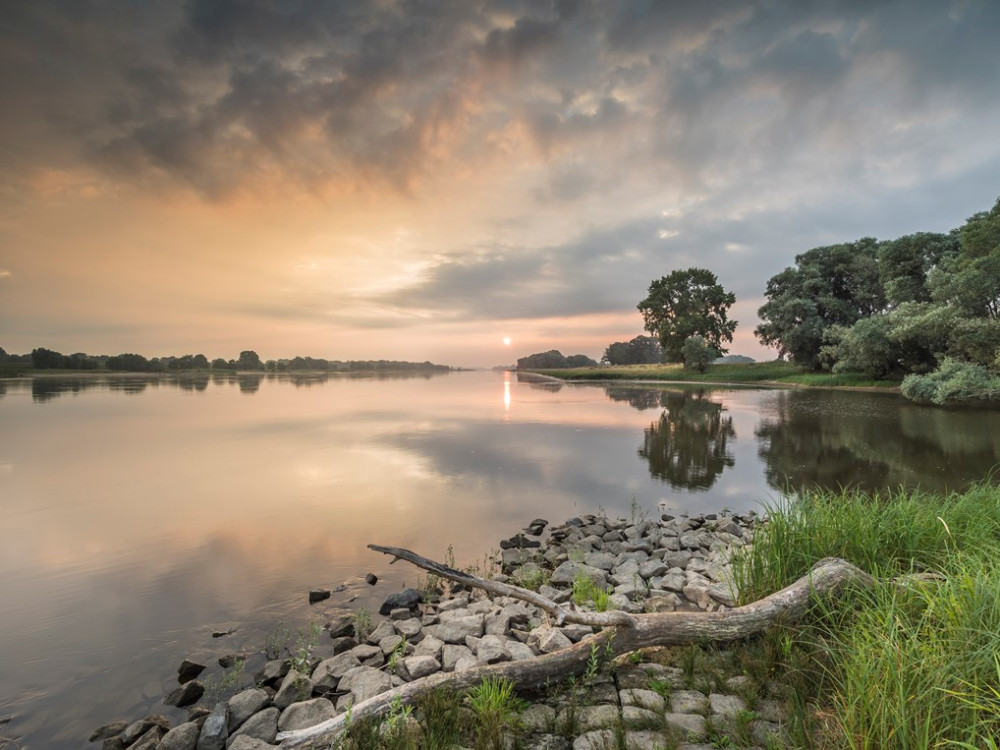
x: 688, y: 303
x: 834, y: 285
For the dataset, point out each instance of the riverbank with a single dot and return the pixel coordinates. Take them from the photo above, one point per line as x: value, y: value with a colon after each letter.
x: 666, y: 696
x: 864, y: 666
x: 761, y: 373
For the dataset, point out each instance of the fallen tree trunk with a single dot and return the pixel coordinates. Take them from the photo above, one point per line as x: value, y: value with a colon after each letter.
x: 626, y: 633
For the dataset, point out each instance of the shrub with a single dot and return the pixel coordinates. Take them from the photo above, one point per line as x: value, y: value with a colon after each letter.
x: 953, y: 382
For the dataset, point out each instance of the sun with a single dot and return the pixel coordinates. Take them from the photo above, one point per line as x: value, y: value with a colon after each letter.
x: 506, y: 340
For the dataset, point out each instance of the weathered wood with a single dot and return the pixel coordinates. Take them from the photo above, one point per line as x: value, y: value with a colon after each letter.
x: 629, y: 633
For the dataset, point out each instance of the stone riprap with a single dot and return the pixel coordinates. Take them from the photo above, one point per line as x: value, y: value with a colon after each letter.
x: 644, y: 566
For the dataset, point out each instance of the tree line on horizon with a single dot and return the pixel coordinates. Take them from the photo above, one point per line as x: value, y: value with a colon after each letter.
x: 248, y: 361
x: 924, y: 308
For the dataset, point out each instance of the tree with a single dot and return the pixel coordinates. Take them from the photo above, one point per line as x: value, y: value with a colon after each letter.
x: 249, y: 361
x: 697, y: 353
x: 834, y: 285
x: 580, y: 360
x: 642, y: 350
x: 688, y: 303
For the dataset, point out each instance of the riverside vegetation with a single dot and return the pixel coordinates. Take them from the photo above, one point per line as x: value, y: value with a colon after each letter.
x: 911, y: 662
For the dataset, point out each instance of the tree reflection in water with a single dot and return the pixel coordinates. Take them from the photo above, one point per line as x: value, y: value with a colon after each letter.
x: 688, y: 446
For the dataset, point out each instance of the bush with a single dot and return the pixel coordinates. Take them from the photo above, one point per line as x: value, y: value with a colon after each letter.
x: 697, y: 353
x: 953, y: 382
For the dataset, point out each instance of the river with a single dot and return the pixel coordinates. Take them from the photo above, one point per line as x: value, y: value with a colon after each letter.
x: 142, y: 514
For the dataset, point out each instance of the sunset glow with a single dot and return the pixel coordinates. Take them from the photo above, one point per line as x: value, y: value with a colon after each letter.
x: 381, y: 180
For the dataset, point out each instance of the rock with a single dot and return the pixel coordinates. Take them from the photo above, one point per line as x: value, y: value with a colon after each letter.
x: 187, y: 694
x: 343, y: 643
x: 383, y: 630
x: 198, y: 714
x: 306, y: 714
x: 449, y: 605
x: 722, y: 593
x: 182, y: 737
x: 410, y: 629
x: 539, y: 718
x: 589, y: 718
x: 341, y: 624
x: 229, y: 660
x: 726, y: 705
x: 599, y: 740
x: 636, y: 716
x: 687, y: 702
x: 113, y: 743
x: 245, y: 742
x: 429, y: 646
x: 417, y: 666
x: 698, y: 594
x: 691, y: 726
x: 647, y: 699
x: 451, y: 653
x: 263, y: 725
x: 368, y: 655
x: 295, y: 687
x: 136, y: 729
x: 566, y: 573
x: 329, y: 671
x: 318, y: 595
x: 188, y: 670
x: 273, y: 671
x: 645, y: 740
x: 519, y: 651
x: 408, y: 598
x: 150, y: 740
x: 550, y: 639
x: 371, y: 579
x: 492, y: 649
x: 245, y: 704
x: 214, y: 731
x: 105, y: 731
x: 365, y: 683
x: 456, y: 631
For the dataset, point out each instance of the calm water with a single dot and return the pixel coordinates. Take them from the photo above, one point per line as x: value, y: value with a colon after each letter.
x: 139, y: 516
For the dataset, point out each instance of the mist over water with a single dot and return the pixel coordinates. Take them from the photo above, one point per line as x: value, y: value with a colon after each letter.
x: 141, y: 514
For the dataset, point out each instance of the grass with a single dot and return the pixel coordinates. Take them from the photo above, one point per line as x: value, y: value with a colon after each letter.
x: 896, y: 666
x: 485, y: 718
x: 586, y: 590
x: 756, y: 372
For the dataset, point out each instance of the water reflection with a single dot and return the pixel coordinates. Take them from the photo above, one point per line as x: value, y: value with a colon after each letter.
x: 873, y: 442
x: 687, y: 447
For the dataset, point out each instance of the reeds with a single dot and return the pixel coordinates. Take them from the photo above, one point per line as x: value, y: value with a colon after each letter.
x: 915, y: 661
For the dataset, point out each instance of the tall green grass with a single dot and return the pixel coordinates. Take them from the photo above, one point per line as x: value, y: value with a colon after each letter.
x: 913, y: 662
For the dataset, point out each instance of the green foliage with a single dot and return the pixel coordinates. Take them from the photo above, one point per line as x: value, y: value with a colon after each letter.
x: 954, y: 382
x: 688, y: 303
x: 642, y: 350
x: 834, y: 285
x: 440, y: 716
x: 586, y: 590
x: 697, y: 354
x: 495, y: 706
x: 276, y: 642
x: 305, y: 643
x: 363, y: 625
x: 911, y: 662
x: 554, y: 359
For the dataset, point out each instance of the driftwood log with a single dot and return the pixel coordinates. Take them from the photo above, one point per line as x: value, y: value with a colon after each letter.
x: 624, y: 634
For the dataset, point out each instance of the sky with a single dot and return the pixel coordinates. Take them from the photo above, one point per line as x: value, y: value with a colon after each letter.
x: 419, y: 180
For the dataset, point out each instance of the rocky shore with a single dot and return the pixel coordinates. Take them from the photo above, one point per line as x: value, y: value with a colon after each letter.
x: 648, y: 700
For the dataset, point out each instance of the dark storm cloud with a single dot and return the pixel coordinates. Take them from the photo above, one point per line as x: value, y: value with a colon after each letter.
x: 781, y: 117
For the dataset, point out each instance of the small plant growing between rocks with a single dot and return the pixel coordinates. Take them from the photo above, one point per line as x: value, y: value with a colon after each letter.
x: 585, y: 590
x: 217, y: 685
x: 363, y: 625
x: 495, y: 705
x: 392, y: 665
x: 305, y: 643
x: 276, y: 642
